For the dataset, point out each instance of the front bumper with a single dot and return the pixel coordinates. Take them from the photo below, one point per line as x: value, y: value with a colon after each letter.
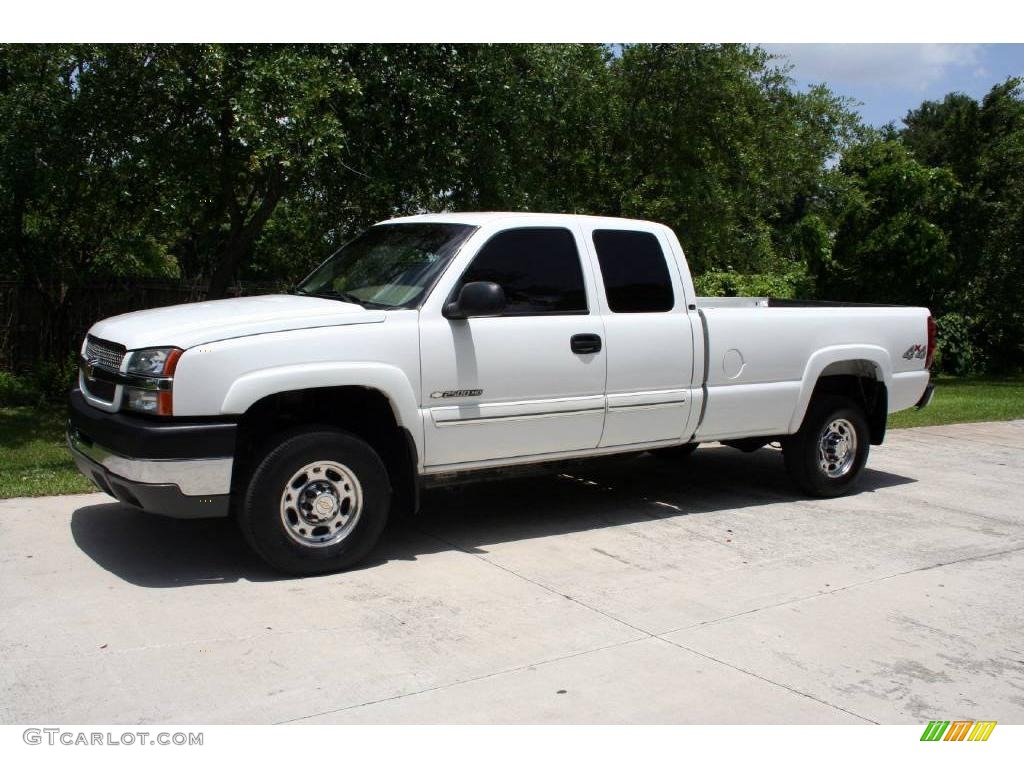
x: 174, y: 468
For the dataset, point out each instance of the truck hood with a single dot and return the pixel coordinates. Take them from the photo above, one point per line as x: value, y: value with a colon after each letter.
x: 186, y: 325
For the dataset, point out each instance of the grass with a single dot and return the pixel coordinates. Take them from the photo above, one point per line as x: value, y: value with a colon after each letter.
x: 34, y: 460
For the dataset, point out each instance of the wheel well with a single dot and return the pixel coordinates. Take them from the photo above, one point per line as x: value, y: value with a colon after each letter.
x: 365, y: 412
x: 858, y: 380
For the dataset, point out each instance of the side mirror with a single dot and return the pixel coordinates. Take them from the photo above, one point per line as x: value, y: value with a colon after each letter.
x: 480, y: 299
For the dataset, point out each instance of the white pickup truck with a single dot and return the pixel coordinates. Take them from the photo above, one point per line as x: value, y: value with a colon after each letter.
x: 436, y: 345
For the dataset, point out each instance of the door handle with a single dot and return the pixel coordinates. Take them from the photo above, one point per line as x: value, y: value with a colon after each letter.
x: 585, y: 343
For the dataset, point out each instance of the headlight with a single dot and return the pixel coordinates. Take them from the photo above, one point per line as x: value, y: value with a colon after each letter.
x: 156, y: 361
x: 148, y: 386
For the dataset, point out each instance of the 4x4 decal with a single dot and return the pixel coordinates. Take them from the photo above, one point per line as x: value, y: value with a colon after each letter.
x: 919, y: 351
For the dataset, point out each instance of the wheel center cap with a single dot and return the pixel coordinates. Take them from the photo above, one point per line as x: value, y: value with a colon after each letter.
x: 324, y: 506
x: 837, y: 446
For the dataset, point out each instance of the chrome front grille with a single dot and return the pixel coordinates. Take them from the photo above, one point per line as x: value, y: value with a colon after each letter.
x: 106, y: 354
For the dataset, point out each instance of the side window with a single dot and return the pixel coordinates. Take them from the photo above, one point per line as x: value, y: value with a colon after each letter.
x: 538, y: 268
x: 635, y: 274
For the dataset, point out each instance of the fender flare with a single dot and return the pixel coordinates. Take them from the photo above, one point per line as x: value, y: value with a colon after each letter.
x: 389, y: 380
x: 825, y: 357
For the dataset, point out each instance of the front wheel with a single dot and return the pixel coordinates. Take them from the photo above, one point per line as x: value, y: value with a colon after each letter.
x: 827, y: 455
x: 316, y: 503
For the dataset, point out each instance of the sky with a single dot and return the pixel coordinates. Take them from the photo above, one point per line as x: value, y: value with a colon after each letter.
x: 890, y: 79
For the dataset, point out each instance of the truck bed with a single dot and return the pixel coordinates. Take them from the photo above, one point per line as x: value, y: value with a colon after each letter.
x: 760, y: 367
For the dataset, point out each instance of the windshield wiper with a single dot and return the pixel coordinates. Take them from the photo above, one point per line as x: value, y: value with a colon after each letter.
x: 340, y: 296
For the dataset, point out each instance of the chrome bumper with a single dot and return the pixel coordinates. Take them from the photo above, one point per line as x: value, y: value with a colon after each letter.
x: 194, y: 477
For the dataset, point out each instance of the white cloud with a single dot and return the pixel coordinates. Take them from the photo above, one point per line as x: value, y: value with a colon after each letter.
x: 913, y: 66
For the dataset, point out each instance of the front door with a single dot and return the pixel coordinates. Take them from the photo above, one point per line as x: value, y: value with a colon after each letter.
x: 496, y: 388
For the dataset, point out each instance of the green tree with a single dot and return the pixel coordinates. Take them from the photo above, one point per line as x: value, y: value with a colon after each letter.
x: 890, y: 244
x: 230, y: 131
x: 998, y: 294
x: 982, y: 144
x: 73, y: 205
x: 71, y: 202
x: 714, y: 141
x: 452, y: 127
x: 222, y: 162
x: 534, y: 127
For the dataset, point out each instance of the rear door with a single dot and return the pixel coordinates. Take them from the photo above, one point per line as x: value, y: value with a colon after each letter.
x: 496, y: 388
x: 648, y: 335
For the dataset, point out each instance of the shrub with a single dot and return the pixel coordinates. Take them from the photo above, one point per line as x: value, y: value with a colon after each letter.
x: 785, y: 285
x: 15, y: 390
x: 956, y: 352
x: 47, y: 384
x: 52, y: 380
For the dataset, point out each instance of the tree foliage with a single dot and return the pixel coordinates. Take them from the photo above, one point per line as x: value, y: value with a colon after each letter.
x: 713, y: 141
x: 890, y: 244
x: 982, y: 145
x: 219, y: 163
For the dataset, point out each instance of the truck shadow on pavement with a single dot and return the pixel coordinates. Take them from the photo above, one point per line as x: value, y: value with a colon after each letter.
x: 153, y: 551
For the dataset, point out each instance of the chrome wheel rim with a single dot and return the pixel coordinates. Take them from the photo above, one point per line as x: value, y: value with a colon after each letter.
x: 321, y: 504
x: 837, y: 448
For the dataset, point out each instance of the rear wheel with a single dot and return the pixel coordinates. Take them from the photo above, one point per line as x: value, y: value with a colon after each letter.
x: 317, y: 502
x: 825, y: 458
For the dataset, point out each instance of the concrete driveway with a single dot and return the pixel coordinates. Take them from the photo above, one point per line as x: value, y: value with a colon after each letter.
x: 627, y: 591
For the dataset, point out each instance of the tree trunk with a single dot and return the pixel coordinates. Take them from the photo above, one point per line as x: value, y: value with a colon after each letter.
x: 238, y: 248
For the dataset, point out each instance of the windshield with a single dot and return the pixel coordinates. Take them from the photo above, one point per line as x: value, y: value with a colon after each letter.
x: 390, y: 265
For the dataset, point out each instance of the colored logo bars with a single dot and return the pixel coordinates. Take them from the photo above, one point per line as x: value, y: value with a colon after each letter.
x: 958, y: 730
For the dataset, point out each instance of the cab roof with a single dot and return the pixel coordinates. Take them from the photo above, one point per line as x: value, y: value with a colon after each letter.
x: 480, y: 218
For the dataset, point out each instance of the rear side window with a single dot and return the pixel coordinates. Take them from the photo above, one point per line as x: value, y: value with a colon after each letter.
x: 635, y: 274
x: 538, y: 268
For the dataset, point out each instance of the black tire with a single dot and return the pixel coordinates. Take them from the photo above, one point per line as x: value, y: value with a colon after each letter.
x: 801, y: 451
x: 676, y: 452
x: 263, y: 520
